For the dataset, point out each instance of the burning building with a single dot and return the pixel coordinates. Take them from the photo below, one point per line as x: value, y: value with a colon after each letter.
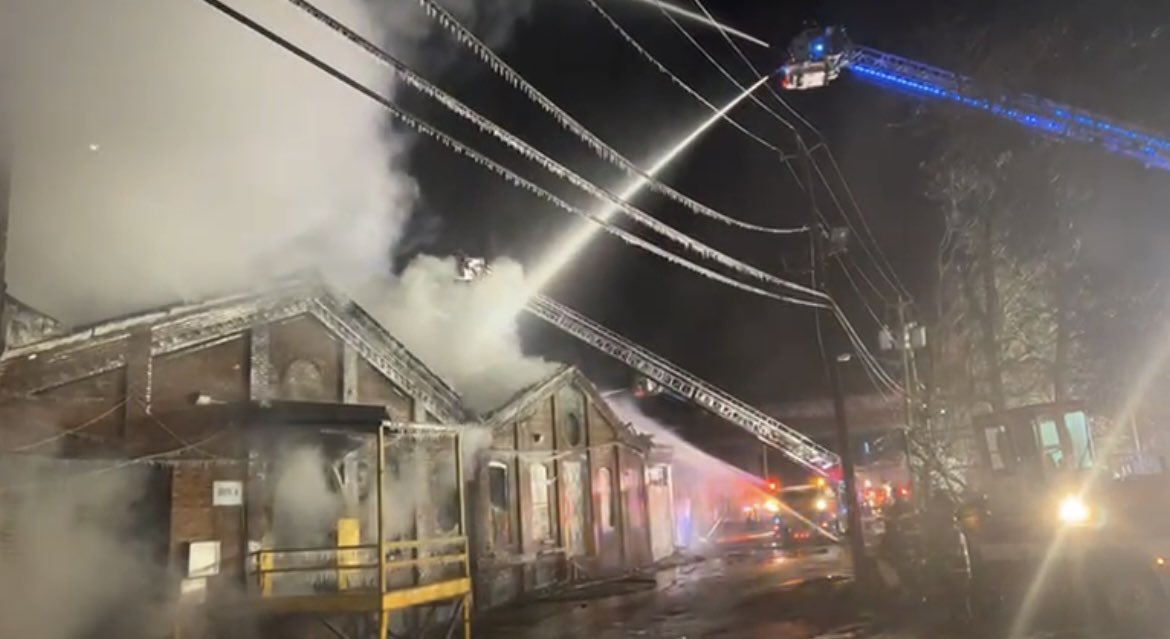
x: 563, y: 496
x: 237, y: 439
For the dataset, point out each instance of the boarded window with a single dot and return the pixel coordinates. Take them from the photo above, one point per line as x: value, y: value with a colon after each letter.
x: 542, y: 528
x: 606, y: 504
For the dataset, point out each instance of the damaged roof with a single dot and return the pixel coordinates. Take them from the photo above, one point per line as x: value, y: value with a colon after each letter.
x: 527, y: 398
x: 24, y: 325
x: 78, y: 353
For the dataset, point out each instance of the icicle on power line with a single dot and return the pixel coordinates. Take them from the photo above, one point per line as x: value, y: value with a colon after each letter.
x: 513, y: 178
x: 691, y: 15
x: 468, y: 39
x: 571, y: 244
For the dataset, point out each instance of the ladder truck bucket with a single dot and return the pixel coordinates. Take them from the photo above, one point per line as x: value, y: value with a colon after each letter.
x: 469, y: 269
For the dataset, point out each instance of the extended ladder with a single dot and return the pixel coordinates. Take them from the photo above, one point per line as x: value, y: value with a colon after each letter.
x: 769, y: 430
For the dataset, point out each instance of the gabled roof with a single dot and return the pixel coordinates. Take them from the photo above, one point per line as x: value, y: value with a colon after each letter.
x: 527, y: 399
x: 94, y: 349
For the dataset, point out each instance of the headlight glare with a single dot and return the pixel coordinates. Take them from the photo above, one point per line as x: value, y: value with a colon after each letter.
x: 1073, y: 510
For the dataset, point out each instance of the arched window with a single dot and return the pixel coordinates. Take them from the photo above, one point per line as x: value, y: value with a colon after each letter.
x: 500, y: 500
x: 571, y: 415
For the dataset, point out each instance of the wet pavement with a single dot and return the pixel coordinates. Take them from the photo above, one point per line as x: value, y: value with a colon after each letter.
x: 746, y: 591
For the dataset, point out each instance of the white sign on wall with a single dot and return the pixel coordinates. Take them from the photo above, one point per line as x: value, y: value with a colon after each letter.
x: 227, y: 493
x: 202, y: 559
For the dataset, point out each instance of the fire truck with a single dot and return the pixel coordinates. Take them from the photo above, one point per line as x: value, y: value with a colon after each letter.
x: 1041, y: 515
x: 810, y: 517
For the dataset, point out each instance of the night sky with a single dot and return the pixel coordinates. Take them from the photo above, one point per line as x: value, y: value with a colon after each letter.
x: 1105, y: 56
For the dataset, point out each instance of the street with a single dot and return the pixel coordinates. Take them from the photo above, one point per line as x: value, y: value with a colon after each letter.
x: 745, y: 590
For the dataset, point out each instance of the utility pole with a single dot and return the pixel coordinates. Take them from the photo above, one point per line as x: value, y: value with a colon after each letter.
x: 907, y: 338
x: 907, y: 377
x: 848, y: 474
x: 844, y: 448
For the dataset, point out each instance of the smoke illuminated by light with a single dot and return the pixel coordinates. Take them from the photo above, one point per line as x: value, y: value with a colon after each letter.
x: 576, y: 239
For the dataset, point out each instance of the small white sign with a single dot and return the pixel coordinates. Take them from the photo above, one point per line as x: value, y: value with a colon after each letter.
x: 202, y: 559
x: 227, y: 493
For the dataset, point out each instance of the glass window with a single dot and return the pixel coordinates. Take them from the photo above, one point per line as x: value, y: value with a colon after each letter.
x: 1077, y: 427
x: 498, y: 485
x: 1052, y: 452
x: 997, y: 447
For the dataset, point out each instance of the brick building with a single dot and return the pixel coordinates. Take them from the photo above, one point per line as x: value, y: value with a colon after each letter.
x: 185, y: 390
x: 563, y: 494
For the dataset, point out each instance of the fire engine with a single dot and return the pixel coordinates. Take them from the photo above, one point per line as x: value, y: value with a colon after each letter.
x: 1042, y: 515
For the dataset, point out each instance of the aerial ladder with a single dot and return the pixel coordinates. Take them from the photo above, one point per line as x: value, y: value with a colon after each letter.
x: 789, y: 441
x: 819, y: 56
x: 1040, y: 510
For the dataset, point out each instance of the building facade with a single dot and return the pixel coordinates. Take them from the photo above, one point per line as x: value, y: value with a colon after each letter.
x: 562, y: 495
x: 174, y: 391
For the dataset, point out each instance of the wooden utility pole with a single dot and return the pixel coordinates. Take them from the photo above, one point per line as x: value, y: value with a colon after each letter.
x: 907, y: 378
x: 832, y: 362
x: 848, y: 473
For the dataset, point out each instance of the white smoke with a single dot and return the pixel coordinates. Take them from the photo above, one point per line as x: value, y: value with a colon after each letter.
x: 306, y: 505
x: 74, y: 539
x: 465, y: 331
x: 164, y: 152
x: 683, y: 453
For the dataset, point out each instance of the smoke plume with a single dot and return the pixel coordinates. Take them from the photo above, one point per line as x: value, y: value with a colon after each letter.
x: 465, y: 331
x: 163, y: 152
x: 305, y: 504
x: 75, y: 539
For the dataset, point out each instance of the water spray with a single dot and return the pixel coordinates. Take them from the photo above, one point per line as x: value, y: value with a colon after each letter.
x: 691, y: 15
x: 576, y: 239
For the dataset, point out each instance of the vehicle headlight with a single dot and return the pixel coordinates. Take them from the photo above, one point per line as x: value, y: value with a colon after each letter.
x: 1073, y: 510
x: 821, y: 504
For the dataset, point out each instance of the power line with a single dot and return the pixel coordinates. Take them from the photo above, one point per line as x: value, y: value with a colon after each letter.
x: 783, y: 156
x: 552, y: 166
x: 516, y: 180
x: 881, y: 262
x: 853, y: 284
x: 633, y: 42
x: 153, y: 458
x: 807, y: 152
x: 859, y: 345
x: 599, y: 146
